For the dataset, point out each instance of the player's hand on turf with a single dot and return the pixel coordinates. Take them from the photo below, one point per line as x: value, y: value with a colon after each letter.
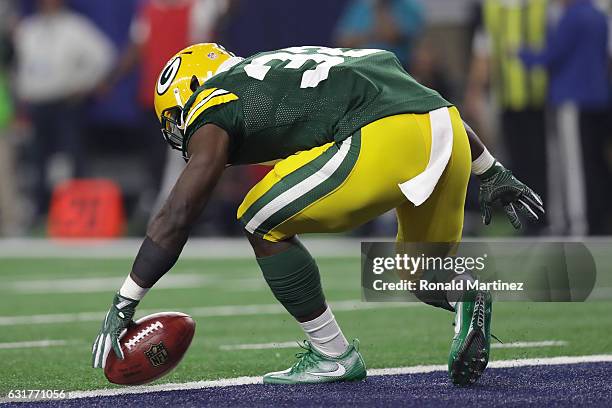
x: 118, y: 318
x: 498, y: 185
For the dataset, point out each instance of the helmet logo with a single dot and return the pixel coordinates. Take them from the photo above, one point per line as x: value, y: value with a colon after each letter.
x: 212, y: 55
x: 168, y: 75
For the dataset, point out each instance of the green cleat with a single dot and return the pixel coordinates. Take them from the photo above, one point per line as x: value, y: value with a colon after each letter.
x: 471, y: 345
x: 313, y: 367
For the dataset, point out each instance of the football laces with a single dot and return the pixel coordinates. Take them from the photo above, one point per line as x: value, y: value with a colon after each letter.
x: 131, y: 343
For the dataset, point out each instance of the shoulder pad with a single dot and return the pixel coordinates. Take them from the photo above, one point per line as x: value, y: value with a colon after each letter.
x: 206, y: 98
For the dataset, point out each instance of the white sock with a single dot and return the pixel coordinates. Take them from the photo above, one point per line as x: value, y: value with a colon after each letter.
x: 131, y: 290
x: 452, y: 297
x: 325, y: 334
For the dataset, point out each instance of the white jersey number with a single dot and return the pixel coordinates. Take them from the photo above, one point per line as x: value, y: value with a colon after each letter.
x: 326, y: 58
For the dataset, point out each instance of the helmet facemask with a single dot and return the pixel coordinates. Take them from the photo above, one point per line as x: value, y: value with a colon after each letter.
x: 173, y: 123
x: 171, y: 127
x: 172, y: 119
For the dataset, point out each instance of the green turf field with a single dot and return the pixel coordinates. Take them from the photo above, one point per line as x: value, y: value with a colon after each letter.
x: 77, y: 292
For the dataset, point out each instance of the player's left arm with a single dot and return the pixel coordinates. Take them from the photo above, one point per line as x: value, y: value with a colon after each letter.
x: 166, y: 235
x: 498, y: 185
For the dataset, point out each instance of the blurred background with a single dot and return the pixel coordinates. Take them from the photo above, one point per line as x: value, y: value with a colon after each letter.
x: 81, y: 154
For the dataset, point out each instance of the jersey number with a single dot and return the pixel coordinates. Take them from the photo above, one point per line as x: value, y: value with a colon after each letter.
x: 326, y: 58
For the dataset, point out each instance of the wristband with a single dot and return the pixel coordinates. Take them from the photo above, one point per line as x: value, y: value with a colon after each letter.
x: 483, y: 163
x: 131, y: 290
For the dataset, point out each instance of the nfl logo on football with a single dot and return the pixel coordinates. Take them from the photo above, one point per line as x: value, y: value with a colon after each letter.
x: 157, y: 354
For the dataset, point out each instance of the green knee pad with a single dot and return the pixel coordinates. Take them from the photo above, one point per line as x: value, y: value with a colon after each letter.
x: 294, y: 278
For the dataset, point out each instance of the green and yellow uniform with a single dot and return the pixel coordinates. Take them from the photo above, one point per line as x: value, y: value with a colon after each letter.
x: 344, y: 128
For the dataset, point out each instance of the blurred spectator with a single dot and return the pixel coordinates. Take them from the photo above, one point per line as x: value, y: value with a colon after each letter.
x: 393, y: 25
x: 449, y: 36
x: 61, y: 57
x: 117, y: 110
x: 427, y: 69
x: 504, y: 28
x: 159, y: 30
x: 9, y: 205
x: 576, y: 58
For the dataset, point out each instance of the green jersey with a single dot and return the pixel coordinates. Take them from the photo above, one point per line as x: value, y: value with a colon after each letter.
x: 277, y: 103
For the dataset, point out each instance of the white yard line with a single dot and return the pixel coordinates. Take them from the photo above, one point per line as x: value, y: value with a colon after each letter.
x: 208, y: 311
x: 101, y: 284
x: 530, y: 344
x: 195, y: 385
x: 111, y: 283
x: 199, y: 248
x: 292, y: 344
x: 265, y: 346
x: 196, y: 248
x: 33, y: 344
x: 259, y: 346
x: 544, y: 361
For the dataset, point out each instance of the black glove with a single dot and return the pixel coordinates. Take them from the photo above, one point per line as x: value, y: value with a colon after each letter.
x: 498, y: 185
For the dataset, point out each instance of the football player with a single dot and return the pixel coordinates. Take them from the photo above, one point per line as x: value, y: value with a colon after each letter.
x: 351, y: 136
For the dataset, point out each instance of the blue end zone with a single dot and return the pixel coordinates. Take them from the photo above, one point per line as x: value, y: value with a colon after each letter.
x: 572, y: 385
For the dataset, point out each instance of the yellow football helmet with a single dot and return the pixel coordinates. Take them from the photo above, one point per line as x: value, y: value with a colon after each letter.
x: 182, y: 75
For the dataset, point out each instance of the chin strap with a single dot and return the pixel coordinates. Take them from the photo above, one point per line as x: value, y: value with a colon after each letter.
x: 179, y: 102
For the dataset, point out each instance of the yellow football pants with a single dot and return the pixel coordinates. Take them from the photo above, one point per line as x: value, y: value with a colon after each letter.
x: 339, y: 186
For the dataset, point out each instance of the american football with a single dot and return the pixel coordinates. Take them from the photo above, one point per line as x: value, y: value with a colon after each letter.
x: 152, y: 347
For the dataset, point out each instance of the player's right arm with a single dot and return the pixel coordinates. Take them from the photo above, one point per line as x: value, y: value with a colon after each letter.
x: 166, y: 235
x: 499, y: 186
